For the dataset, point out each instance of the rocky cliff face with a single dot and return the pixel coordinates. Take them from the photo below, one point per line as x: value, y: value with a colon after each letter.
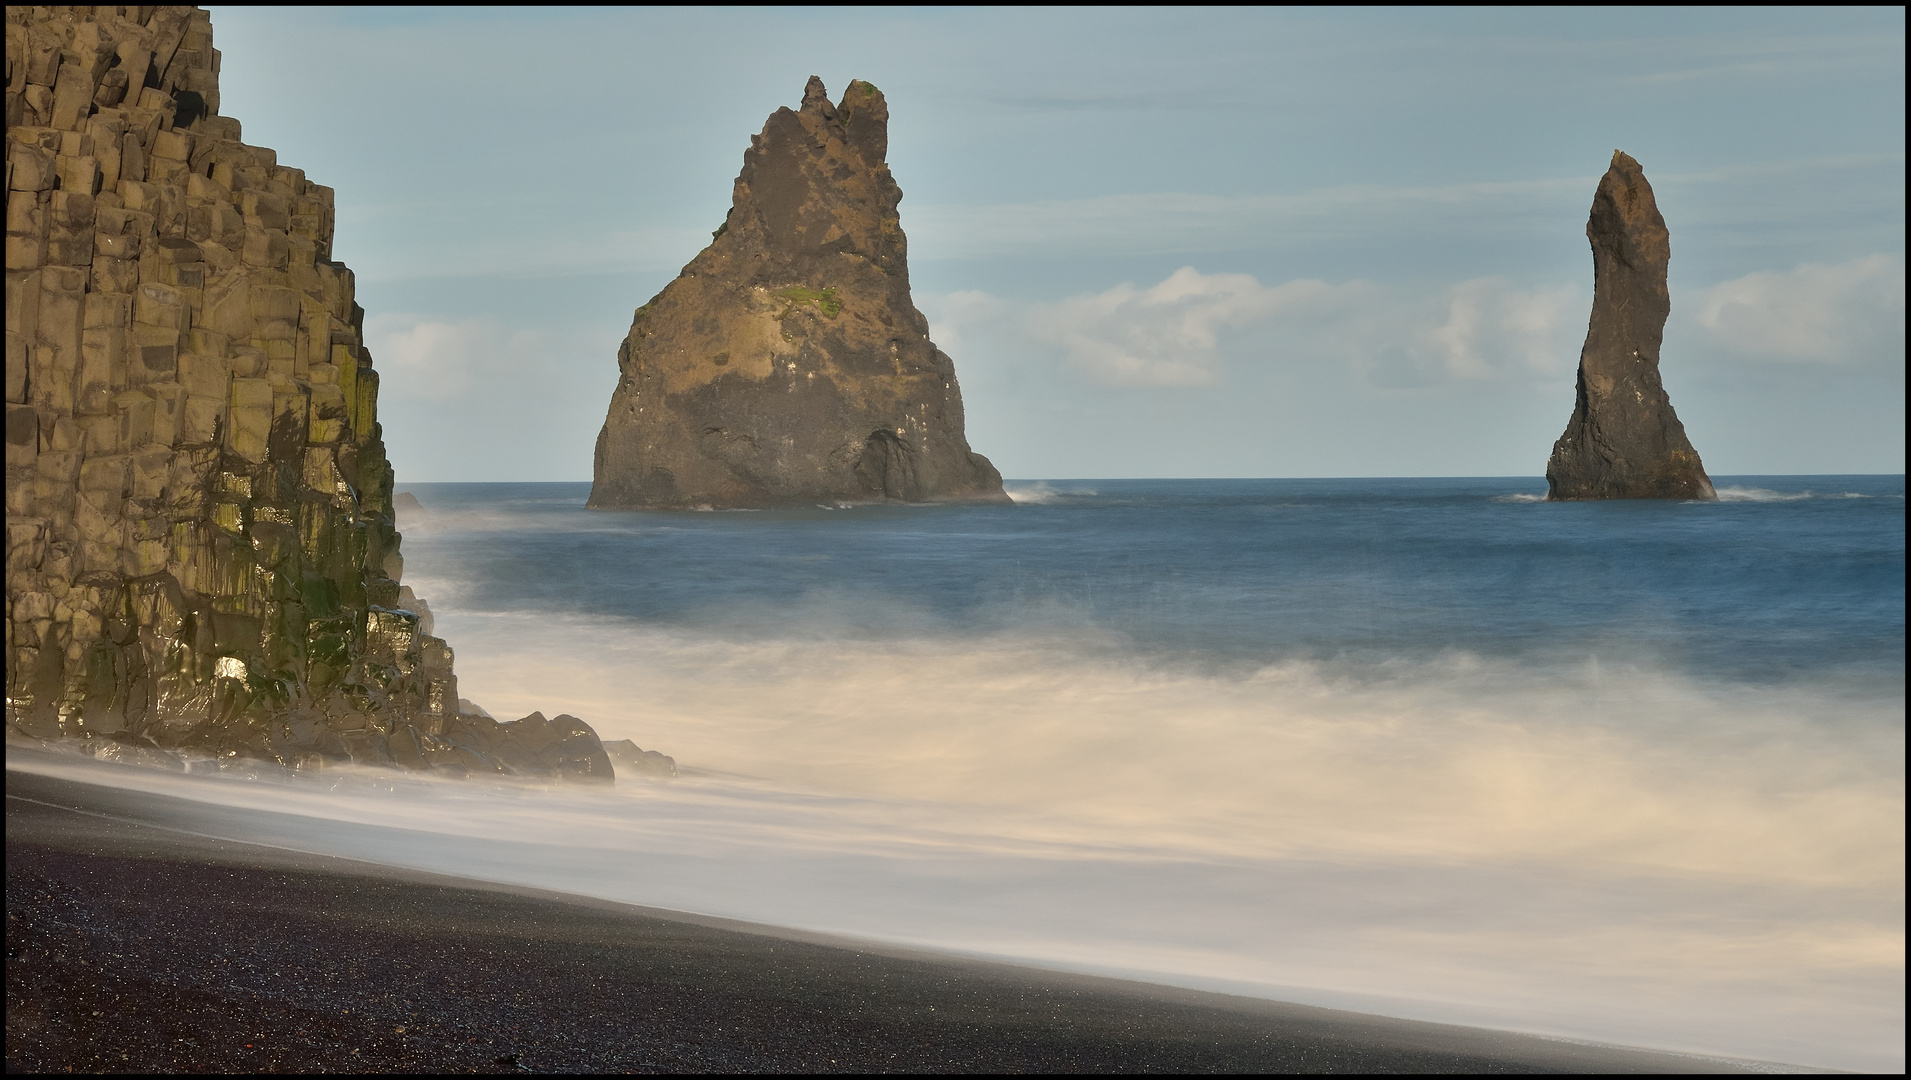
x: 201, y: 555
x: 787, y: 363
x: 1624, y: 441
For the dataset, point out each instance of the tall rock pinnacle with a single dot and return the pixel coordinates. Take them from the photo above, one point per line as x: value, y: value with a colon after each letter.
x: 787, y: 363
x: 1624, y: 441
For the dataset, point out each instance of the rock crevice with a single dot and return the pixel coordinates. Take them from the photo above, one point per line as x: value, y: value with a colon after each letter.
x: 1624, y: 440
x: 787, y: 363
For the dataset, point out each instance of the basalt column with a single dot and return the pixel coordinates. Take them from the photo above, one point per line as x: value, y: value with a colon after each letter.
x: 1624, y: 441
x: 201, y: 555
x: 787, y: 363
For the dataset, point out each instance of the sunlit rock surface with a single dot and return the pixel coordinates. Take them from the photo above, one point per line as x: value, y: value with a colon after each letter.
x: 787, y: 362
x: 201, y: 556
x: 1624, y: 441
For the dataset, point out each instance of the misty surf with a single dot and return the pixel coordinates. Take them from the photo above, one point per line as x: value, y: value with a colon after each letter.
x: 1626, y: 772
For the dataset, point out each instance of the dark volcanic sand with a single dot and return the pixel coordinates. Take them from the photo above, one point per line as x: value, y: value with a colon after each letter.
x: 137, y: 948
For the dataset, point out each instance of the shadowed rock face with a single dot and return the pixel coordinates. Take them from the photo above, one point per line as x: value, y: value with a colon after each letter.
x: 787, y: 363
x: 1624, y: 441
x: 202, y: 555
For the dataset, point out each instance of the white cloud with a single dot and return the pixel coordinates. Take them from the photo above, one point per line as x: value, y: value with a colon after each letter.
x: 426, y: 359
x: 952, y: 315
x: 1845, y: 313
x: 1168, y: 335
x: 1192, y: 329
x: 1492, y: 328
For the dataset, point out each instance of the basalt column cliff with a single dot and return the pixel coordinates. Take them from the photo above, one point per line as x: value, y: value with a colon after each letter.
x: 1624, y: 441
x: 787, y: 363
x: 201, y: 559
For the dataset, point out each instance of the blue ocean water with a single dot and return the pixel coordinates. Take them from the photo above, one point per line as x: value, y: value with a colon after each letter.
x: 1785, y: 577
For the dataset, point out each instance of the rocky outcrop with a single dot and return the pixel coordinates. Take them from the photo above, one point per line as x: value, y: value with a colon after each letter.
x: 201, y: 557
x: 1624, y: 441
x: 634, y: 760
x: 787, y: 363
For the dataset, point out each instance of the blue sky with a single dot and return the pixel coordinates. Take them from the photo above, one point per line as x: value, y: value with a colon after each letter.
x: 1156, y: 242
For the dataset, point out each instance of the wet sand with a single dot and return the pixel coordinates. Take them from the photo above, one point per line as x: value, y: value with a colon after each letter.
x: 135, y: 946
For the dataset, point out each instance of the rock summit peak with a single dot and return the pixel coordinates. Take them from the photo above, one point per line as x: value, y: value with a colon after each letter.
x: 787, y: 364
x: 1624, y: 440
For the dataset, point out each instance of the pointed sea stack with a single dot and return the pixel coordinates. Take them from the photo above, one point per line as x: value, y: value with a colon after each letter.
x: 1624, y: 441
x: 787, y: 363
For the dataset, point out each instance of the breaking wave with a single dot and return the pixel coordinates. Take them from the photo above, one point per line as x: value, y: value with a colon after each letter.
x: 1730, y: 493
x: 1752, y: 494
x: 1041, y: 493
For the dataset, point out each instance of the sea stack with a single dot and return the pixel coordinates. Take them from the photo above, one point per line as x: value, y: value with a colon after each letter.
x: 1624, y: 441
x: 202, y: 560
x: 787, y: 363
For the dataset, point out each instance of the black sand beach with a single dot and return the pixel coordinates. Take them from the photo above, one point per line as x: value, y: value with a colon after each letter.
x: 133, y: 947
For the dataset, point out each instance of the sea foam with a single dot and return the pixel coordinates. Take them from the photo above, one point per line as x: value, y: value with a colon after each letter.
x: 1544, y: 848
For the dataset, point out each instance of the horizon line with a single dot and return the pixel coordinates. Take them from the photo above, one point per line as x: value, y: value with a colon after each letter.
x: 1072, y: 479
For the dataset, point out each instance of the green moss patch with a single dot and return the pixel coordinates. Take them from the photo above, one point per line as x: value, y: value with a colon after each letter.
x: 824, y: 299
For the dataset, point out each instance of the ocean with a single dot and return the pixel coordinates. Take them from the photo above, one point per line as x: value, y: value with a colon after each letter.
x: 1628, y: 772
